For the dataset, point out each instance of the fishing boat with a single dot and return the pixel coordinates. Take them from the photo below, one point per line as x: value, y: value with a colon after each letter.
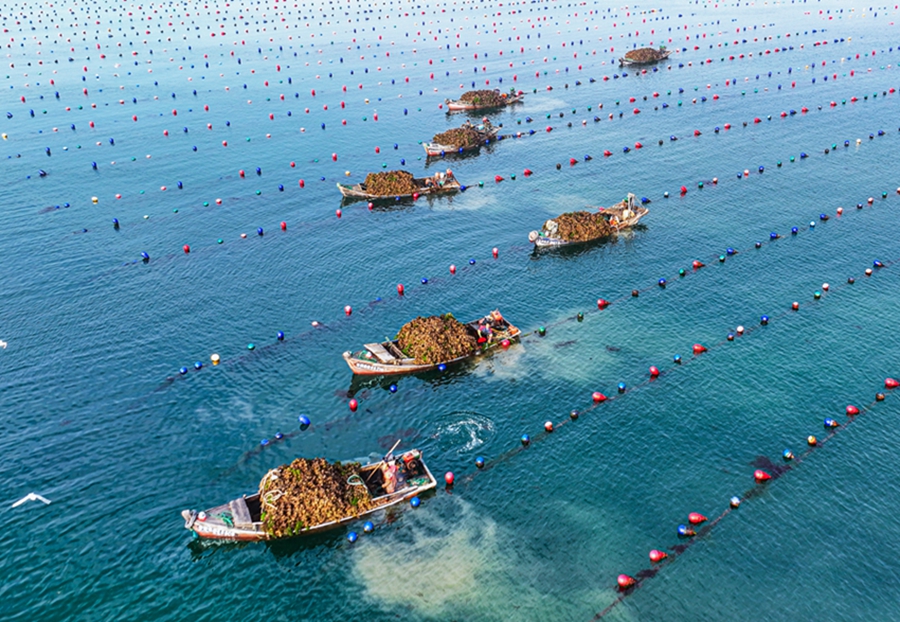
x: 458, y: 105
x: 486, y: 133
x: 240, y: 520
x: 644, y: 56
x: 440, y: 183
x: 386, y: 358
x: 620, y: 216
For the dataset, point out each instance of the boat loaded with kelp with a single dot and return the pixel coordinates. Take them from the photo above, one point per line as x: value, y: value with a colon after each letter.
x: 398, y: 185
x: 483, y: 100
x: 425, y: 344
x: 311, y: 496
x: 644, y: 56
x: 467, y: 137
x: 582, y: 227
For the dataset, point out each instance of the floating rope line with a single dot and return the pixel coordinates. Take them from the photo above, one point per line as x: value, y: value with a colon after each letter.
x: 632, y: 584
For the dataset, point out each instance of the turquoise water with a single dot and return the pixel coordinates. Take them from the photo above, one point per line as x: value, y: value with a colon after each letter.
x: 97, y: 418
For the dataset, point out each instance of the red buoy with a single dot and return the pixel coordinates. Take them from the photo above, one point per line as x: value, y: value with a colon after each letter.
x: 852, y: 410
x: 495, y: 252
x: 400, y: 289
x: 548, y: 426
x: 452, y: 269
x: 448, y: 478
x: 498, y: 178
x: 795, y: 305
x: 301, y: 183
x: 657, y: 556
x: 699, y: 349
x: 338, y: 213
x: 695, y: 518
x: 654, y: 371
x: 283, y: 226
x: 890, y: 383
x: 527, y: 172
x: 241, y: 172
x: 187, y: 249
x: 697, y: 264
x: 598, y: 397
x: 683, y: 190
x: 607, y: 153
x: 348, y: 310
x: 504, y: 344
x: 625, y: 581
x: 761, y: 476
x: 353, y: 405
x: 602, y: 304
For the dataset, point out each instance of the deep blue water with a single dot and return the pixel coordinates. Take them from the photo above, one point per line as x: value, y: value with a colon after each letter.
x: 97, y: 418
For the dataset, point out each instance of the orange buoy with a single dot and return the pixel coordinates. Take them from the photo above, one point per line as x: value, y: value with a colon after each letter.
x: 811, y: 440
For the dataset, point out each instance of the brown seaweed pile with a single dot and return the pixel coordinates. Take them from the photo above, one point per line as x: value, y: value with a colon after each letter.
x: 483, y: 97
x: 306, y: 493
x: 466, y: 137
x: 435, y: 339
x: 390, y: 183
x: 644, y: 55
x: 580, y: 226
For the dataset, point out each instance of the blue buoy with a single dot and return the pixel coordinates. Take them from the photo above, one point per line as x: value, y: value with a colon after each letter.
x: 730, y: 251
x: 621, y: 387
x: 393, y: 388
x: 183, y: 371
x: 442, y: 367
x: 471, y: 262
x: 352, y: 537
x: 368, y: 527
x: 304, y: 421
x: 685, y: 531
x: 198, y: 365
x: 415, y: 502
x: 662, y: 282
x: 145, y: 256
x: 735, y: 502
x: 764, y: 320
x: 279, y: 436
x: 424, y: 281
x: 259, y: 231
x: 525, y: 440
x: 677, y: 359
x: 264, y: 442
x: 479, y: 462
x: 787, y: 454
x: 280, y: 335
x: 250, y: 346
x: 794, y: 230
x: 831, y: 423
x: 116, y: 223
x: 773, y: 236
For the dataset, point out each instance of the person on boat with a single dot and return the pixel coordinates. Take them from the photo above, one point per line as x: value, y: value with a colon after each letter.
x: 389, y: 476
x: 485, y: 333
x: 429, y: 182
x: 496, y: 320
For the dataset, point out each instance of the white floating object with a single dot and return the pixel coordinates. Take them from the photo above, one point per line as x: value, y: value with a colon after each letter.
x: 3, y: 344
x: 31, y: 496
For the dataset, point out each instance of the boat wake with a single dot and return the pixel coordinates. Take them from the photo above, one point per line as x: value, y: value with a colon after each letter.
x: 464, y: 430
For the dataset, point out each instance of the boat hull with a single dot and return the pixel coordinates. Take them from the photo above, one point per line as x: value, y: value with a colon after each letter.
x: 213, y: 528
x: 356, y: 193
x: 374, y: 368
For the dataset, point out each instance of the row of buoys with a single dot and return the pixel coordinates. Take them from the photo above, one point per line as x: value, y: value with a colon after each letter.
x: 626, y: 583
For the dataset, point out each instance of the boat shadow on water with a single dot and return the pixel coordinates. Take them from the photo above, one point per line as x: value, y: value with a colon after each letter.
x: 289, y: 547
x: 434, y: 377
x: 455, y: 156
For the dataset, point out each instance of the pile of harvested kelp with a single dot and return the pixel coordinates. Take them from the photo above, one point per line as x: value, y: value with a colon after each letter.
x: 644, y: 55
x: 466, y: 137
x: 306, y: 493
x: 579, y: 226
x: 391, y: 183
x: 483, y: 97
x: 435, y: 339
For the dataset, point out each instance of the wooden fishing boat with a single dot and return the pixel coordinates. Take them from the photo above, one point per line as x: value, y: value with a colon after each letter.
x: 487, y: 134
x: 620, y: 216
x: 386, y: 358
x: 441, y: 183
x: 457, y: 105
x: 661, y: 54
x: 240, y: 520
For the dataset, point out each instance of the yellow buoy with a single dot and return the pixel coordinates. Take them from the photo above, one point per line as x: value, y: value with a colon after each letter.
x: 94, y: 200
x: 811, y: 440
x: 215, y: 359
